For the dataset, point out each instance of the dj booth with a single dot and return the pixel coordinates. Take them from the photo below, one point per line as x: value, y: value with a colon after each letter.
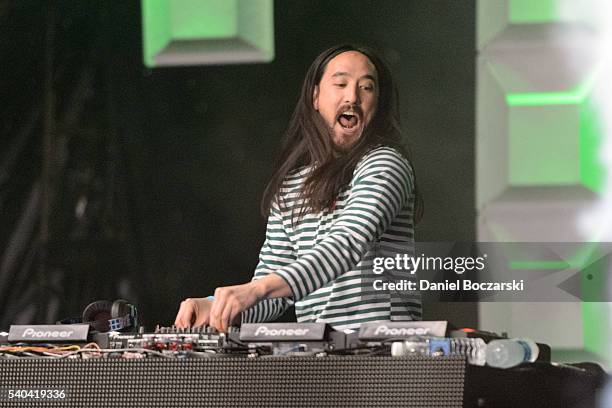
x: 384, y: 364
x: 330, y: 381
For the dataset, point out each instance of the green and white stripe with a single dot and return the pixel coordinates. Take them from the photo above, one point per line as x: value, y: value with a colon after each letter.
x: 326, y: 258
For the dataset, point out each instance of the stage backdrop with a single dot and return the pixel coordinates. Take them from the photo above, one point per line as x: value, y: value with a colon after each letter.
x: 543, y: 84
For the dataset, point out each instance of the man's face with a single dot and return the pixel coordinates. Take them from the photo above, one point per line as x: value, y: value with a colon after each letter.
x: 347, y: 97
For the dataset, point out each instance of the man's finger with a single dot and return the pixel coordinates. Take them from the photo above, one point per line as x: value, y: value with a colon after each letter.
x: 225, y: 316
x: 234, y: 321
x: 214, y: 309
x: 215, y: 313
x: 202, y: 320
x: 201, y: 316
x: 184, y: 315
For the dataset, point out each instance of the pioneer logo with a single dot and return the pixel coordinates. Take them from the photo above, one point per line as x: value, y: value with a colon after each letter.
x: 389, y: 329
x: 55, y: 334
x: 48, y: 332
x: 401, y: 331
x: 282, y: 331
x: 264, y: 331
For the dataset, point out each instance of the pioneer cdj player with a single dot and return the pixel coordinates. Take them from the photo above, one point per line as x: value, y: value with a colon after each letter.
x: 250, y: 340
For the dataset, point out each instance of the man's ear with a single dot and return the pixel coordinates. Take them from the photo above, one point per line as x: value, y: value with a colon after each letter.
x: 315, y: 98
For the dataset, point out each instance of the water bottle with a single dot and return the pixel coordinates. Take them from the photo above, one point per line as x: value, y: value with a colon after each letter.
x: 411, y: 347
x: 506, y: 353
x: 472, y: 348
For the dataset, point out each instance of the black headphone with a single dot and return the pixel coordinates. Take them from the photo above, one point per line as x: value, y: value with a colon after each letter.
x: 104, y: 316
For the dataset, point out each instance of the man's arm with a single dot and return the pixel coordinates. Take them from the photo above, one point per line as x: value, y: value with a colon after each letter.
x: 380, y: 188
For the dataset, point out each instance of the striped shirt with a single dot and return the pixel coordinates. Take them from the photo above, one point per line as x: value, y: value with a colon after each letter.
x: 327, y: 257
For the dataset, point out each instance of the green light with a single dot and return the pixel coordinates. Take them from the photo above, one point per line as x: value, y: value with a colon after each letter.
x: 547, y: 98
x: 592, y: 170
x: 596, y: 328
x: 196, y: 19
x: 533, y: 265
x: 207, y: 32
x: 547, y: 151
x: 156, y: 31
x: 578, y: 260
x: 571, y: 97
x: 543, y: 146
x: 595, y: 315
x: 533, y: 11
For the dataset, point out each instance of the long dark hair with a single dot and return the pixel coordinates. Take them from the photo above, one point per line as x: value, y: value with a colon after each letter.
x: 307, y: 140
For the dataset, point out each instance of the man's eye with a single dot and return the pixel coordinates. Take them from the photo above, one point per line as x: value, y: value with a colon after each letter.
x: 340, y: 85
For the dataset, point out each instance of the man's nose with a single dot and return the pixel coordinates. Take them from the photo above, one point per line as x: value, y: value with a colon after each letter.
x: 351, y: 95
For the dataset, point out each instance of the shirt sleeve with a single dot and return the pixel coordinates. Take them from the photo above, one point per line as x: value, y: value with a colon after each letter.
x: 382, y: 183
x: 276, y: 252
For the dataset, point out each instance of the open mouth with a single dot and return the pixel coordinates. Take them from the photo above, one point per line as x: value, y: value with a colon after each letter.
x: 348, y: 119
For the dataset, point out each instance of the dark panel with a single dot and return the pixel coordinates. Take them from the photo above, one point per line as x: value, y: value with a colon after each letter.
x: 226, y: 382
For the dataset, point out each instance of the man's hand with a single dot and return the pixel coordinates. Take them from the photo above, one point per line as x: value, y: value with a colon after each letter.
x: 193, y: 312
x: 231, y: 301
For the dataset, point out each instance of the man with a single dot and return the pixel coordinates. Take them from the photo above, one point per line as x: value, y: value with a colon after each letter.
x: 343, y: 193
